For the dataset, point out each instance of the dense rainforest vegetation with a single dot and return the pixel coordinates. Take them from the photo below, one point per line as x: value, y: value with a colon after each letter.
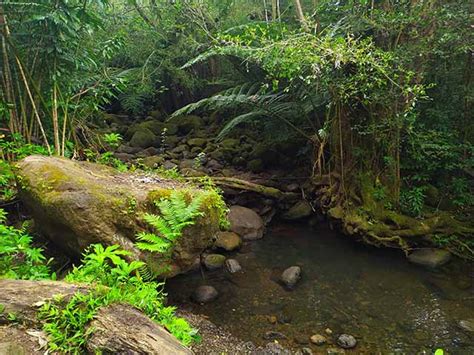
x: 370, y: 100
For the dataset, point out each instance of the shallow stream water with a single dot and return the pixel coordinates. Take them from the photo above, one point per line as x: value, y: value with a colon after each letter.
x: 388, y: 304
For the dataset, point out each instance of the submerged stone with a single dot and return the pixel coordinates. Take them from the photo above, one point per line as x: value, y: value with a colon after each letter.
x: 467, y: 325
x: 291, y: 276
x: 346, y: 341
x: 318, y: 339
x: 204, y: 294
x: 233, y: 266
x: 430, y: 257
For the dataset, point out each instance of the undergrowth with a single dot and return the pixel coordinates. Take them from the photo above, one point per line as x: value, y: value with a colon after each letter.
x: 18, y: 258
x: 113, y: 279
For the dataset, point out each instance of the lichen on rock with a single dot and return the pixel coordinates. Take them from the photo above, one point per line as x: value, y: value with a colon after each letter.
x: 76, y: 204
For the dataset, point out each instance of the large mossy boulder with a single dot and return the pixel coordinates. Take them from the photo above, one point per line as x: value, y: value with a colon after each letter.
x: 76, y: 204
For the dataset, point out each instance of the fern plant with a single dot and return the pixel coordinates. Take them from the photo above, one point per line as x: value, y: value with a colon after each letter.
x: 175, y: 214
x: 256, y: 104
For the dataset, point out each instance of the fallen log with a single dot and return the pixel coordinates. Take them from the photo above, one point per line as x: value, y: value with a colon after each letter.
x: 117, y: 328
x: 240, y: 184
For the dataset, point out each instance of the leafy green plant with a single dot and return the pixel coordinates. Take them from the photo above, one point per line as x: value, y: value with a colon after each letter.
x: 412, y: 201
x: 113, y: 280
x: 113, y: 140
x: 18, y: 258
x: 175, y: 214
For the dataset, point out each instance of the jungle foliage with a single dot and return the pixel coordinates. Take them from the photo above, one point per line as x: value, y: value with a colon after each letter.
x: 381, y: 91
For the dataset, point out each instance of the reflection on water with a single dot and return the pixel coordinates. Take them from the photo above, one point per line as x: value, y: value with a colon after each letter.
x: 389, y: 305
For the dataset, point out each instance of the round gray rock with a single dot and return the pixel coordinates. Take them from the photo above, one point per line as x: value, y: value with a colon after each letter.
x: 346, y: 341
x: 204, y: 294
x: 291, y: 276
x: 246, y: 223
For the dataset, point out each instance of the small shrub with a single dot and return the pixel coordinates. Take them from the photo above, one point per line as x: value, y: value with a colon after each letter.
x: 18, y: 258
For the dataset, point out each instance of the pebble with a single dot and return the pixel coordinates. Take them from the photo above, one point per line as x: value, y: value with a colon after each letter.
x: 318, y: 339
x: 346, y: 341
x: 291, y: 276
x: 328, y: 331
x: 233, y: 266
x: 273, y: 335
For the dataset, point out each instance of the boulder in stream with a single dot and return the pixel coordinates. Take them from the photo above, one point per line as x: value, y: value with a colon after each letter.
x: 214, y: 261
x: 291, y: 276
x: 430, y: 257
x: 246, y: 223
x: 204, y: 294
x: 228, y: 241
x: 76, y: 204
x: 301, y: 209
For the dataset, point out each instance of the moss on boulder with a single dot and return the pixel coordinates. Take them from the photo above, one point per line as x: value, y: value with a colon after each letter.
x: 76, y: 204
x: 143, y: 138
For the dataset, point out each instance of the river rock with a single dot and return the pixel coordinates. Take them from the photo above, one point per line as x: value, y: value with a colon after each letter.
x: 168, y: 165
x: 153, y: 161
x: 197, y: 142
x: 214, y: 261
x: 246, y: 223
x: 467, y: 325
x: 274, y: 349
x: 301, y: 209
x: 143, y: 138
x: 228, y: 241
x: 233, y: 266
x: 76, y: 204
x: 318, y: 339
x: 274, y: 335
x: 335, y: 351
x: 346, y: 341
x: 430, y: 257
x: 204, y: 294
x: 291, y: 276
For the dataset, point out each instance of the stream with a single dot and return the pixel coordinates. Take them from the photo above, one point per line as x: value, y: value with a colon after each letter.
x: 376, y: 295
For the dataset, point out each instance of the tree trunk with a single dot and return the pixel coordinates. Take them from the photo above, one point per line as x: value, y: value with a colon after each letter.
x: 300, y: 15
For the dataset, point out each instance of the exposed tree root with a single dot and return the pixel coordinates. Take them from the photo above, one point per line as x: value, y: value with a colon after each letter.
x: 361, y: 215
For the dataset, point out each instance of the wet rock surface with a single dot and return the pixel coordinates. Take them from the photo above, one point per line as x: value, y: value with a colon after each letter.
x: 346, y: 341
x: 430, y: 257
x: 246, y: 223
x: 232, y: 266
x: 291, y: 276
x: 214, y: 261
x: 228, y: 241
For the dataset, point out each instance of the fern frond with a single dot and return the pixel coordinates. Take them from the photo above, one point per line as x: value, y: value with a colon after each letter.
x: 246, y: 117
x: 152, y: 242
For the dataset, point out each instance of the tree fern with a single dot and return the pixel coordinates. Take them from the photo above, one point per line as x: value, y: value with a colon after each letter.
x: 175, y: 214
